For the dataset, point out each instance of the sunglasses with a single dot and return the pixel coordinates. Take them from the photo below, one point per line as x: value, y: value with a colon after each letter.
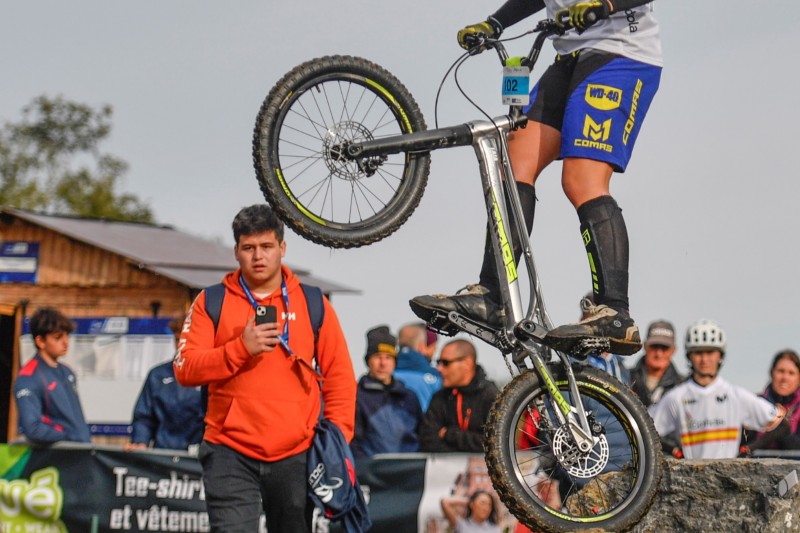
x: 447, y: 362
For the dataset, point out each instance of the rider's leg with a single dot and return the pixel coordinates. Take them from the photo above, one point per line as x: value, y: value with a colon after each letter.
x: 586, y: 184
x: 530, y: 150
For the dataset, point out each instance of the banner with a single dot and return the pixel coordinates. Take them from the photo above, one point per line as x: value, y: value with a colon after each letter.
x: 83, y: 489
x: 49, y: 490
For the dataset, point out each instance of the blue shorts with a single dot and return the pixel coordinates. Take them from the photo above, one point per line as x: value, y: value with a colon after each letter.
x: 598, y: 101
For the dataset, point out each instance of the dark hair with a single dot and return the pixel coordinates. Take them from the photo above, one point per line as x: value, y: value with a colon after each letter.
x: 493, y: 514
x: 48, y: 320
x: 791, y: 355
x: 257, y: 218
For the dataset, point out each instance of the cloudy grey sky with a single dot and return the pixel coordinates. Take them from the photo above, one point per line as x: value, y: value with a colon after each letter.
x: 710, y: 196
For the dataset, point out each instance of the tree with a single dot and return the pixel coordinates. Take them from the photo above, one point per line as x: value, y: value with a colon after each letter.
x: 50, y: 161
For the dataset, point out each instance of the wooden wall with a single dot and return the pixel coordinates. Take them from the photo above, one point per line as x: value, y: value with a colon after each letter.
x: 83, y: 280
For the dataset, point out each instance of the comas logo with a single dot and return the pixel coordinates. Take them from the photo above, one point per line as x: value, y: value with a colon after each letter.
x: 595, y: 135
x: 603, y: 97
x: 596, y: 132
x: 631, y: 122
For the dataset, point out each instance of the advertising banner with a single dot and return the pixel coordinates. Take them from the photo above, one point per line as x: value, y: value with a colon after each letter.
x: 85, y: 489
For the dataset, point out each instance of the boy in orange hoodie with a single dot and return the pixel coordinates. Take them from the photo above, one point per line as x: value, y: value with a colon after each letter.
x: 263, y: 395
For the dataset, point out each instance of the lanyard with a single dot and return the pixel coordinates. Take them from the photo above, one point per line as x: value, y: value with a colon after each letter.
x: 284, y: 338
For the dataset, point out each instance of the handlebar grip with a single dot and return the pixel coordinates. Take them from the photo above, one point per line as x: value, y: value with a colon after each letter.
x: 591, y: 18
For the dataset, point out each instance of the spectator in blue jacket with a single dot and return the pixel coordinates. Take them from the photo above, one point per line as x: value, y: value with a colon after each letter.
x: 388, y: 414
x: 46, y: 390
x: 167, y: 415
x: 417, y: 346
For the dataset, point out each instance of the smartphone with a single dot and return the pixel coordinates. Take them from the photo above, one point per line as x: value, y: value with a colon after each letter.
x: 266, y: 314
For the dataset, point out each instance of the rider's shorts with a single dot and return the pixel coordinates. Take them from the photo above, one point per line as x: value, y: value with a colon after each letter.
x: 598, y: 101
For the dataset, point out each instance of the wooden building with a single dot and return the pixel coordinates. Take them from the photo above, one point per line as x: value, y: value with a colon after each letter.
x: 97, y: 269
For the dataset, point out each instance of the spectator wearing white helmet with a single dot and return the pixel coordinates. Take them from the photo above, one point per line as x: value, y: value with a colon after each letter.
x: 702, y: 418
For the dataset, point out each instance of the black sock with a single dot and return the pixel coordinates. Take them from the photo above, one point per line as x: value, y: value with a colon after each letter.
x: 606, y: 239
x: 488, y: 277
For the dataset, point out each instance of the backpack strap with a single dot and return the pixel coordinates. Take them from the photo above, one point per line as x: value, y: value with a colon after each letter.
x: 215, y: 294
x: 316, y: 309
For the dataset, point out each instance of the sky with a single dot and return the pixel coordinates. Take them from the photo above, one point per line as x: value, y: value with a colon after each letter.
x: 709, y: 197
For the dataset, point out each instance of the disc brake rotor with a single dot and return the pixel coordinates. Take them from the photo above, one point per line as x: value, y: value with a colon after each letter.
x: 340, y: 135
x: 582, y: 465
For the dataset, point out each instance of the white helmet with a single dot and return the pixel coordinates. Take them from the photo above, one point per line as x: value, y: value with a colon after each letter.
x: 705, y: 335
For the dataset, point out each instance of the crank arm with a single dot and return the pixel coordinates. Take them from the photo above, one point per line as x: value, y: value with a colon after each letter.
x: 477, y: 329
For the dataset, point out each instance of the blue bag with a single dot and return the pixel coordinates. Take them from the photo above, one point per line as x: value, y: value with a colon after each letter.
x: 332, y: 482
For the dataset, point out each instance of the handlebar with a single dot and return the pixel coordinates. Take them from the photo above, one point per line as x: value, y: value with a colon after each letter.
x: 545, y: 28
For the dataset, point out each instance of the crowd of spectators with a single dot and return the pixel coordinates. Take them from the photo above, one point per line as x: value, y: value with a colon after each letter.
x: 408, y: 401
x: 411, y: 401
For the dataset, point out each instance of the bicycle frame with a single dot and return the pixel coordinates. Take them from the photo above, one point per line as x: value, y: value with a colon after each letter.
x: 524, y: 330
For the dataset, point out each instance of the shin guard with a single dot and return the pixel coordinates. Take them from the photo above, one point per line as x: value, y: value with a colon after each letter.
x: 606, y: 240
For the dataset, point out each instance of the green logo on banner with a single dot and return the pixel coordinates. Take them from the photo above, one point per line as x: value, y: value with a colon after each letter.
x: 32, y: 506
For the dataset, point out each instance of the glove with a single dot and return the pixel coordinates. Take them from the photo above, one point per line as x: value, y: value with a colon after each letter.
x: 584, y: 14
x: 468, y: 37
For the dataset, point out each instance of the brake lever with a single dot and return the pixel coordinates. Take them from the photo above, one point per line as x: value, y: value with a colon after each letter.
x: 482, y: 43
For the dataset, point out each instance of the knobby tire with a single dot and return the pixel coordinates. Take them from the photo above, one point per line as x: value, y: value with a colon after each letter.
x: 310, y: 113
x: 542, y: 491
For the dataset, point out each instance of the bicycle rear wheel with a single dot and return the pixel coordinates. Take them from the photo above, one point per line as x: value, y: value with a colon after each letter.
x: 310, y: 113
x: 546, y: 482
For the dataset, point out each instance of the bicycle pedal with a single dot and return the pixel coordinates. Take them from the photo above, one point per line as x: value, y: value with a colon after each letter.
x: 440, y: 324
x: 592, y: 346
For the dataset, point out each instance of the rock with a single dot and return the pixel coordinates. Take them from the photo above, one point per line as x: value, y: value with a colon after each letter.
x: 725, y: 496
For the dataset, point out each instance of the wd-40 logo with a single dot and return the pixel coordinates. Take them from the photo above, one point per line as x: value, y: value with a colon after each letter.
x: 603, y: 97
x: 595, y: 134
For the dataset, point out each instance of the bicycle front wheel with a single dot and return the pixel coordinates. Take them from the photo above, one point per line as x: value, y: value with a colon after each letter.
x: 546, y: 481
x: 305, y: 120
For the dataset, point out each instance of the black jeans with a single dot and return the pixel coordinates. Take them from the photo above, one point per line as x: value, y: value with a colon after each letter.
x: 238, y: 487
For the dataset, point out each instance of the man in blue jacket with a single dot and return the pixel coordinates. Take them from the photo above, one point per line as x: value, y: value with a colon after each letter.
x: 46, y: 390
x: 167, y: 415
x: 388, y: 414
x: 417, y: 346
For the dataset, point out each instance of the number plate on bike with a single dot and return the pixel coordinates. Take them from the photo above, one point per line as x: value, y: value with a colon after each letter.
x: 516, y: 89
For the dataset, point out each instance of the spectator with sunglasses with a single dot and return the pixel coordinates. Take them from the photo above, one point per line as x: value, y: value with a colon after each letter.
x: 455, y: 417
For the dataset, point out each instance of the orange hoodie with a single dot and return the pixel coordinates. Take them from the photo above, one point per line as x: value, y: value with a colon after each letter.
x: 266, y: 406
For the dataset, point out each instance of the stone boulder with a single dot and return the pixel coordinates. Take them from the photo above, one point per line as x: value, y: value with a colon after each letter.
x: 726, y: 496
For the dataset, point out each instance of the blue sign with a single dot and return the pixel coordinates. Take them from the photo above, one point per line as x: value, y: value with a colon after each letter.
x: 115, y: 325
x: 19, y: 261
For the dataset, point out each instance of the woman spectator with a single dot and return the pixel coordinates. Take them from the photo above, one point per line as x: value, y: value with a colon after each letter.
x: 481, y: 513
x: 784, y: 389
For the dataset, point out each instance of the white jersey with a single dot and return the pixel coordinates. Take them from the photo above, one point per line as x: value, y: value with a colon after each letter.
x: 708, y: 420
x: 632, y: 33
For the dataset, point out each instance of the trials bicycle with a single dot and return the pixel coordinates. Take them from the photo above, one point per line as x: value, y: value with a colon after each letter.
x: 342, y: 154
